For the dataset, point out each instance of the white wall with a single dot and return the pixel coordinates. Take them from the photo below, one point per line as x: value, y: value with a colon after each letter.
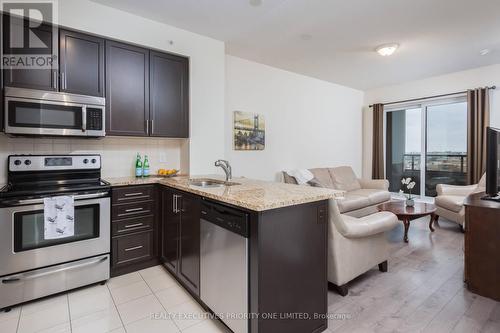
x: 450, y: 83
x: 309, y: 122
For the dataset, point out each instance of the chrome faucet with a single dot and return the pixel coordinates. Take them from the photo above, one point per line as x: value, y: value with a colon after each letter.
x: 226, y: 167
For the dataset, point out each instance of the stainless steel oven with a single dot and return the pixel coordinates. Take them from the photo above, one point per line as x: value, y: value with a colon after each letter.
x: 38, y: 263
x: 36, y: 112
x: 22, y: 243
x: 32, y: 265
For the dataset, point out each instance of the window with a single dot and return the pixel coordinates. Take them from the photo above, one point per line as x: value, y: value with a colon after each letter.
x: 427, y: 142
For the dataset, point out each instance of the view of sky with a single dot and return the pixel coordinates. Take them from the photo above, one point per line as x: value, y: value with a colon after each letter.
x: 446, y: 128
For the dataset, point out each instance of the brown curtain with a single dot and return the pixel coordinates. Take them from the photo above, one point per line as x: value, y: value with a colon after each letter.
x: 378, y: 142
x: 478, y: 118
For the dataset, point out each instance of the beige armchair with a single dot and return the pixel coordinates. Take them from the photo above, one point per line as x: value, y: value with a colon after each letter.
x: 450, y: 200
x: 355, y: 245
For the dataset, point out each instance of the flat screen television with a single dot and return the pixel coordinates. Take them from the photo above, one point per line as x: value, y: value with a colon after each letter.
x: 492, y: 164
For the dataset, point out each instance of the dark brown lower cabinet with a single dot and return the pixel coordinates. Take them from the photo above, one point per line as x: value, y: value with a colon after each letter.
x: 287, y: 252
x: 287, y: 260
x: 180, y: 251
x: 288, y: 269
x: 482, y: 246
x: 134, y: 232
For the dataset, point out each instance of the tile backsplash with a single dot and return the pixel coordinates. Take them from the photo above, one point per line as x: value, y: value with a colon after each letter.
x: 118, y: 153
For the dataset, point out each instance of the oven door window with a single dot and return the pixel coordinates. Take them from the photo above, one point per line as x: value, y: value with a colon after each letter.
x: 40, y: 115
x: 29, y: 228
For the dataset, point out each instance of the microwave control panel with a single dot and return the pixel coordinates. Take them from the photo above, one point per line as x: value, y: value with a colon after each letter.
x: 94, y: 119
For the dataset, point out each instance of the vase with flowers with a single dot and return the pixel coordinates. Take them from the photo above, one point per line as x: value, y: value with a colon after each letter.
x: 408, y: 184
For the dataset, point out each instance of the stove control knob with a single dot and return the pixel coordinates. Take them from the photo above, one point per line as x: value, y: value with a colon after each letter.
x: 86, y: 160
x: 27, y: 162
x: 94, y: 161
x: 17, y: 162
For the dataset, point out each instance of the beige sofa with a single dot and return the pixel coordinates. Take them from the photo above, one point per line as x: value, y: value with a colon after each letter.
x: 450, y: 200
x: 362, y: 195
x: 356, y: 245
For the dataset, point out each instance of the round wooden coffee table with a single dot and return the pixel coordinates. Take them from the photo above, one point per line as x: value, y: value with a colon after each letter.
x: 407, y: 214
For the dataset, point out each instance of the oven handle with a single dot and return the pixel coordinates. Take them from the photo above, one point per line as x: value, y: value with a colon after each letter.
x: 49, y: 271
x: 76, y: 197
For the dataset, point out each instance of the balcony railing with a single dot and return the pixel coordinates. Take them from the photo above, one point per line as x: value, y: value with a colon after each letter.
x: 437, y: 162
x: 440, y: 169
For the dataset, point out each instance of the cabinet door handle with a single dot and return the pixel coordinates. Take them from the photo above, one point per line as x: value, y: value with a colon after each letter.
x: 147, y: 126
x: 55, y: 79
x: 132, y: 194
x: 63, y: 80
x: 134, y: 248
x: 179, y: 207
x: 133, y: 209
x: 152, y: 126
x: 133, y: 225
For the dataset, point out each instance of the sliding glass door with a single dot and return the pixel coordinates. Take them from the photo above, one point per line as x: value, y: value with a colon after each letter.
x: 427, y: 142
x: 404, y: 147
x: 446, y: 146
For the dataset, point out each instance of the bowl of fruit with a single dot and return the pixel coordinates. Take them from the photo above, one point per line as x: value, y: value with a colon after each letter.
x: 167, y: 172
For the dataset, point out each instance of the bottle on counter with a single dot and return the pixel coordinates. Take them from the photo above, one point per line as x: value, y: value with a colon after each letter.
x: 138, y: 166
x: 145, y: 167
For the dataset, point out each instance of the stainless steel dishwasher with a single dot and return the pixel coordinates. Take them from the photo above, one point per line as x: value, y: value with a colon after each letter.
x: 224, y: 264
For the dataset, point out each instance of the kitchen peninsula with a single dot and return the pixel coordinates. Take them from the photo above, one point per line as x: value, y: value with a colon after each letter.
x: 263, y: 244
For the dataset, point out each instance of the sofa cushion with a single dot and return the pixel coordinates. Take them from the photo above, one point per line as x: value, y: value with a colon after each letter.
x: 322, y: 177
x: 352, y: 202
x: 289, y: 179
x: 373, y: 195
x: 344, y: 178
x: 450, y: 202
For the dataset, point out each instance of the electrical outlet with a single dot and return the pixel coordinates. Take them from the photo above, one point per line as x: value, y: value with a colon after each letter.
x: 163, y: 158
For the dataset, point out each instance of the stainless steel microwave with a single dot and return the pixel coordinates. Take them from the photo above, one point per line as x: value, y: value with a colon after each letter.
x: 37, y: 112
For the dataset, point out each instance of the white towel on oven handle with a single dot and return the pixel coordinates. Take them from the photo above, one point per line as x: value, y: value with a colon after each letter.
x: 59, y: 217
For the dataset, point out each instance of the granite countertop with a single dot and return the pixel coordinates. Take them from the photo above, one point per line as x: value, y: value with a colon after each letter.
x: 251, y: 194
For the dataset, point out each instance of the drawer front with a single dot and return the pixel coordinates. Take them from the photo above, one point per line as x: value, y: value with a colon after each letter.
x: 55, y: 279
x: 122, y: 227
x: 132, y: 210
x: 131, y: 248
x: 132, y: 194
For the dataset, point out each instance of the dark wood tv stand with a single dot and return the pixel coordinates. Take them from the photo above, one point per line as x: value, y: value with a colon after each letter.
x: 482, y: 246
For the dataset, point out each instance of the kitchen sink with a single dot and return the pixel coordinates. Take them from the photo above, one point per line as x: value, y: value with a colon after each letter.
x: 207, y: 182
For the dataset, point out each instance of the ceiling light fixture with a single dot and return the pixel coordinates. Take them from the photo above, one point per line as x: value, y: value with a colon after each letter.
x: 387, y: 49
x: 255, y: 3
x: 306, y: 37
x: 484, y: 52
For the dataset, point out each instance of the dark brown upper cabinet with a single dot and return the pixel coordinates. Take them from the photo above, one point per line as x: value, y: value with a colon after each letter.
x: 127, y: 89
x: 41, y: 41
x: 81, y: 63
x: 147, y: 92
x: 169, y: 95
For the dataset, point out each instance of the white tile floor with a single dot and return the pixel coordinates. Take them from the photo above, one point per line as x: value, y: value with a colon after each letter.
x: 147, y: 301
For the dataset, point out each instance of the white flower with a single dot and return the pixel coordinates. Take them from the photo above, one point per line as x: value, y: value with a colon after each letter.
x: 411, y: 185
